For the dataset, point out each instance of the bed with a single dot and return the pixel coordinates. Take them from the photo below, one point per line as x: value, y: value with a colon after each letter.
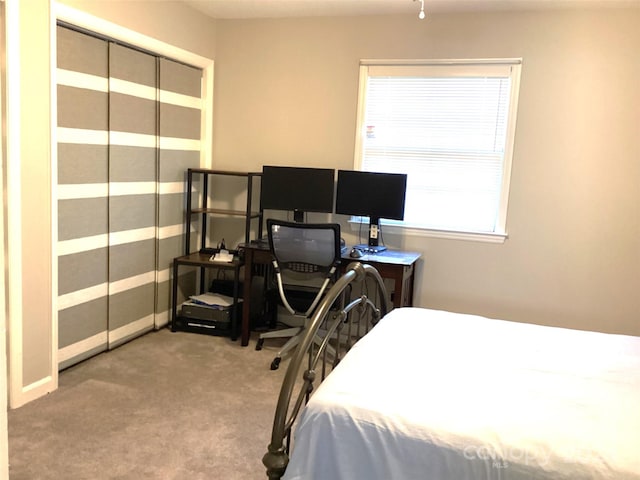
x: 430, y: 394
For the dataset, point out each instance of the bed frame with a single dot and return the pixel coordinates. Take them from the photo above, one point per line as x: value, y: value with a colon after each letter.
x: 342, y: 321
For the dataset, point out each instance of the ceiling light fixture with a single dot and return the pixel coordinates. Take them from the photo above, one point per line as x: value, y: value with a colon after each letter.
x: 421, y: 14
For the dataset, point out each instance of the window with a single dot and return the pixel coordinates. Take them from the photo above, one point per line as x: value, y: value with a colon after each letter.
x: 450, y: 126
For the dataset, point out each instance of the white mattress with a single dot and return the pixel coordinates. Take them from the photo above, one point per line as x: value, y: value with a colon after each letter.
x: 435, y: 395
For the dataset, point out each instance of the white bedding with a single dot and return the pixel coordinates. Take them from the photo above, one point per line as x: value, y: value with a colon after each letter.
x: 441, y: 396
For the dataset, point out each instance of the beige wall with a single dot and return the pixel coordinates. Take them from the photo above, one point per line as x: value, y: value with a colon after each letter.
x: 286, y: 93
x: 28, y: 199
x: 4, y: 444
x: 169, y: 21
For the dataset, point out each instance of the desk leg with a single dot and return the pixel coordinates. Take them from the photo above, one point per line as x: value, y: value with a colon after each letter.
x: 246, y: 296
x: 403, y: 287
x: 174, y: 296
x: 398, y: 286
x: 409, y: 282
x: 236, y: 306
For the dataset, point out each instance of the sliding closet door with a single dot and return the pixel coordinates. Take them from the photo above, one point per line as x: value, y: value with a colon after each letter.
x: 129, y: 125
x: 180, y: 130
x: 83, y: 188
x: 133, y: 147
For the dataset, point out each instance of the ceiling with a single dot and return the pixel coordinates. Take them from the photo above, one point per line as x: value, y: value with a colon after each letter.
x: 229, y: 9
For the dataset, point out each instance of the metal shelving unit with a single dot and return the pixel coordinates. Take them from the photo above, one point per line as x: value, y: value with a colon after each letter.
x: 206, y: 212
x: 201, y: 259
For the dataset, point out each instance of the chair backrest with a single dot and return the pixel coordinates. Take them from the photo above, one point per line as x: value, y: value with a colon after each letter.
x: 305, y: 255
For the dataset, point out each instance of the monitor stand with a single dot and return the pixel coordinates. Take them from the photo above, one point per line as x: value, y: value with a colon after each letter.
x: 374, y: 233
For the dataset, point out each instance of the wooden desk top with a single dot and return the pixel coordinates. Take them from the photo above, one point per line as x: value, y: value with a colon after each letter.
x: 388, y: 257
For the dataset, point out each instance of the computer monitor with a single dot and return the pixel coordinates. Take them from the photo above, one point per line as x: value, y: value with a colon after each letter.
x: 373, y: 195
x: 297, y: 189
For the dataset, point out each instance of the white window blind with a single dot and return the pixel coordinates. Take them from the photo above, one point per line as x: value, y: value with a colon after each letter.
x: 448, y: 126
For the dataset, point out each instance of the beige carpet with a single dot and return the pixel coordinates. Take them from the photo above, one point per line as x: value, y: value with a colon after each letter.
x: 168, y: 405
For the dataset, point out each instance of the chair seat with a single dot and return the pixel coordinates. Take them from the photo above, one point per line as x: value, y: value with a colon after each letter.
x: 301, y: 298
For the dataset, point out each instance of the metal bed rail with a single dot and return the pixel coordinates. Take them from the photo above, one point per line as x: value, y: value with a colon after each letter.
x: 341, y: 321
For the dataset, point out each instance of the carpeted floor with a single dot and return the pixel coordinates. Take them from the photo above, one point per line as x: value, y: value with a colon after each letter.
x: 168, y: 405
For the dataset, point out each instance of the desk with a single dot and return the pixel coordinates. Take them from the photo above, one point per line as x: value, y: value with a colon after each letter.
x: 392, y: 264
x: 396, y: 265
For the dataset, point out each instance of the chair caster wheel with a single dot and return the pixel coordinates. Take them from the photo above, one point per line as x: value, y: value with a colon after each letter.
x: 259, y: 343
x: 276, y: 363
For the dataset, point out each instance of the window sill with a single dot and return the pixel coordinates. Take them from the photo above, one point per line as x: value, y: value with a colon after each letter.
x: 426, y: 232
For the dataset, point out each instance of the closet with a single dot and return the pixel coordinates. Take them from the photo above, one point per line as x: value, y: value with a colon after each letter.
x: 129, y: 126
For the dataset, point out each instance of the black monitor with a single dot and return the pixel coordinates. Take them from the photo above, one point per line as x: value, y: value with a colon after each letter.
x: 373, y: 195
x: 297, y: 189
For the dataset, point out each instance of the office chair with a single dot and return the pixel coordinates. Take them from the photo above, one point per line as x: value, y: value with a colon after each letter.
x: 305, y: 260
